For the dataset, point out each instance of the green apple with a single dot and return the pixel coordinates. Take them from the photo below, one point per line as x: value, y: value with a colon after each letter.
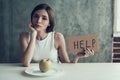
x: 45, y: 65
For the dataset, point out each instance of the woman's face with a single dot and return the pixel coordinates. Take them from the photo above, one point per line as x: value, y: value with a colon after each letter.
x: 40, y: 20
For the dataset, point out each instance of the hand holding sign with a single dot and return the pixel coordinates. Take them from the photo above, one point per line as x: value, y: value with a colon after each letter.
x: 85, y: 53
x: 77, y: 44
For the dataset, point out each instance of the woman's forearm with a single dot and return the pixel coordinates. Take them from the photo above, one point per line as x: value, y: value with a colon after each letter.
x: 28, y: 54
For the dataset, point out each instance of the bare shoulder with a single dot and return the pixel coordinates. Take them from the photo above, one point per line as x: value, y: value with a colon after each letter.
x: 58, y: 36
x: 59, y: 39
x: 24, y: 35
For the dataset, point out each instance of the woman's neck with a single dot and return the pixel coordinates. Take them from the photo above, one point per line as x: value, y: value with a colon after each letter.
x: 41, y: 35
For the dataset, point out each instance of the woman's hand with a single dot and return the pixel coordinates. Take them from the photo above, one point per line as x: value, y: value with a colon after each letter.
x: 85, y: 53
x: 34, y: 32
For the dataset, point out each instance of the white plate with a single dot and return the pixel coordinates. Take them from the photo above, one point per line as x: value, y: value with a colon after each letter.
x: 35, y: 71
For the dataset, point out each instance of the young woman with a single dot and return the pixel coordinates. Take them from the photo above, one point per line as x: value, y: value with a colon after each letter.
x: 43, y: 42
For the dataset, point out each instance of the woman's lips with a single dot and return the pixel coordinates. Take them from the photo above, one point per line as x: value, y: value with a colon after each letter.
x: 36, y: 25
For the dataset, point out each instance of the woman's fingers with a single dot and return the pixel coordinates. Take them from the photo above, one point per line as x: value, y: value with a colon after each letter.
x: 34, y: 32
x: 92, y: 52
x: 88, y: 52
x: 31, y: 27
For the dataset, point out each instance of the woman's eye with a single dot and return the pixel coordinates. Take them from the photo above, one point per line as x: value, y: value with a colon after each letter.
x: 44, y: 18
x: 35, y: 16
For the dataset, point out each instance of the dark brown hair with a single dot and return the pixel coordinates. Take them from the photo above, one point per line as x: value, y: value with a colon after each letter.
x: 50, y: 14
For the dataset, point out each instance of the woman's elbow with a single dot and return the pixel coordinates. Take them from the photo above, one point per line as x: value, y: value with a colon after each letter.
x: 25, y: 64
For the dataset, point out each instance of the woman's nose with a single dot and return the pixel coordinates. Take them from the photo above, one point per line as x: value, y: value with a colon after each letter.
x: 39, y: 20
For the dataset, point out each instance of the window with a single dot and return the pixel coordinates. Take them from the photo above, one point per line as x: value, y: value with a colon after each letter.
x: 116, y: 27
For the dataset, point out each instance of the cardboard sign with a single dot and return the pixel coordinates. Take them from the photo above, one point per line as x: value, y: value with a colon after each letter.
x: 77, y: 43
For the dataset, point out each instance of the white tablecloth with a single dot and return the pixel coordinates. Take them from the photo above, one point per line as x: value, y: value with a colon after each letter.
x: 78, y: 71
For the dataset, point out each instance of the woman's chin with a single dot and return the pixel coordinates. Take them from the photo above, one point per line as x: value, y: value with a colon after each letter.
x: 37, y: 29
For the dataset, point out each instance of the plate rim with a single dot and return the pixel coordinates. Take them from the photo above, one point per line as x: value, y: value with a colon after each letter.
x: 57, y: 70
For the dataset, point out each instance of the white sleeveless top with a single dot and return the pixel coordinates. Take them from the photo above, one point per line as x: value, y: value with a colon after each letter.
x: 45, y: 49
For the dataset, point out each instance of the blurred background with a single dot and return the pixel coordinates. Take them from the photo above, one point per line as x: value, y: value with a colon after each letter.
x: 73, y: 18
